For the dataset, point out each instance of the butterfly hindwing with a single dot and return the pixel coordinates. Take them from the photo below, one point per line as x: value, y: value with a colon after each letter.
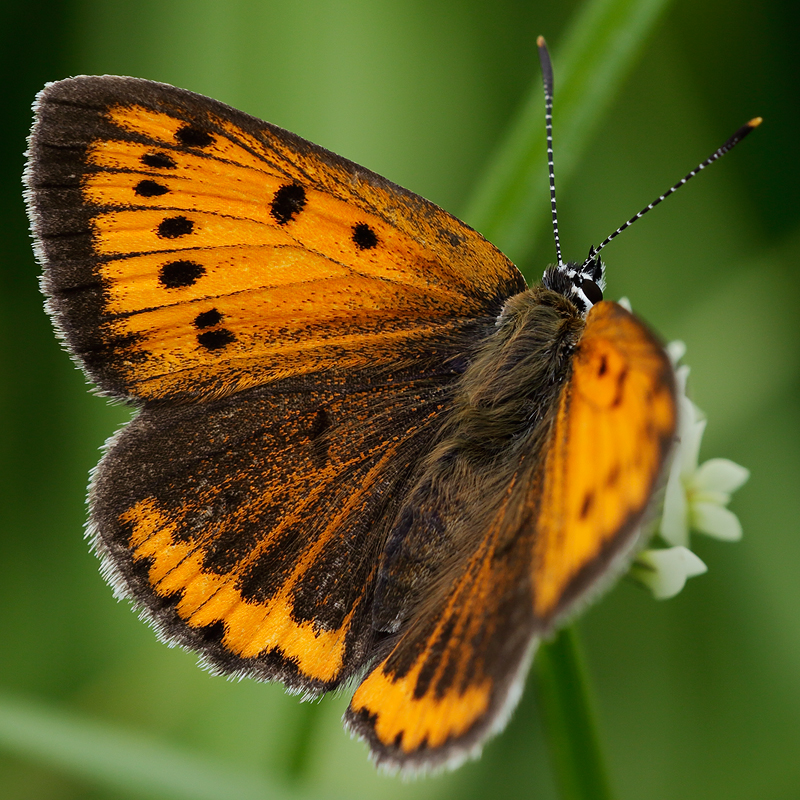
x: 191, y: 250
x: 503, y: 525
x: 454, y: 674
x: 250, y: 529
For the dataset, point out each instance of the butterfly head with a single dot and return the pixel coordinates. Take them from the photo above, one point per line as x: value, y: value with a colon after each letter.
x: 583, y: 284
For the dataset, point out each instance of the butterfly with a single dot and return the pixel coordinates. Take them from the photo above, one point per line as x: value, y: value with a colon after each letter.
x: 364, y: 450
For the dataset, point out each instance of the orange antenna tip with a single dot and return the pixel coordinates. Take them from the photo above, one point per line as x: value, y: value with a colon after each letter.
x: 540, y: 42
x: 754, y: 123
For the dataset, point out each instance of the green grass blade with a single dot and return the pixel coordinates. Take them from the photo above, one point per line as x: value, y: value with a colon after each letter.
x: 120, y: 761
x: 569, y: 720
x: 591, y: 63
x: 301, y: 753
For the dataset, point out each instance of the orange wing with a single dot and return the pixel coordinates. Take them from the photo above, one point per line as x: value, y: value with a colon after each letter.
x: 614, y: 426
x: 519, y: 534
x: 455, y: 673
x: 337, y: 495
x: 289, y: 323
x: 191, y: 250
x: 249, y: 528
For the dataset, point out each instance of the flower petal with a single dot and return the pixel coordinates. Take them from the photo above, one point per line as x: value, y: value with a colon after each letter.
x: 716, y: 498
x: 714, y: 520
x: 681, y: 376
x: 720, y: 475
x: 675, y: 350
x: 674, y: 525
x: 665, y: 571
x: 691, y: 436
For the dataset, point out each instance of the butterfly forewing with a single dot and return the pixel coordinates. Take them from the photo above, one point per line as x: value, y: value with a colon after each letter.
x: 614, y: 428
x: 191, y: 250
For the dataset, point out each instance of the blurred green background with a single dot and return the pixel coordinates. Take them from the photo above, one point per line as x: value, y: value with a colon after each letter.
x: 698, y: 697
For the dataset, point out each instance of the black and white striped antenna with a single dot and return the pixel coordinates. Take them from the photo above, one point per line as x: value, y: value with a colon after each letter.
x: 729, y: 145
x: 547, y: 80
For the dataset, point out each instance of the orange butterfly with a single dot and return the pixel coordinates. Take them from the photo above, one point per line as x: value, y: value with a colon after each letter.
x: 363, y: 447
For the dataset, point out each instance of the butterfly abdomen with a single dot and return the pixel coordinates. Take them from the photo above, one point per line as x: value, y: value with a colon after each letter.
x: 504, y: 406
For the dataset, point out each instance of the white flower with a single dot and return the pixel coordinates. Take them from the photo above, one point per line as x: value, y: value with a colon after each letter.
x: 664, y: 571
x: 695, y: 499
x: 696, y: 496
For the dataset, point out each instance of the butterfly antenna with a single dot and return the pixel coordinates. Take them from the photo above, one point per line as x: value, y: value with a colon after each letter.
x: 729, y: 145
x: 547, y: 80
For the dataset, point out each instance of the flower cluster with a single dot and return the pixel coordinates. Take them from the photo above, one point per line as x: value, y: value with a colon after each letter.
x: 695, y: 499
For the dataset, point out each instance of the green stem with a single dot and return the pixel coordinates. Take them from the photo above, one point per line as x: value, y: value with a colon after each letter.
x: 301, y: 753
x: 569, y: 720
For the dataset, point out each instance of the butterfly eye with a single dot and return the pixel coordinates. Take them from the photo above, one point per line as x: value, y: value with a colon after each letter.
x: 592, y: 291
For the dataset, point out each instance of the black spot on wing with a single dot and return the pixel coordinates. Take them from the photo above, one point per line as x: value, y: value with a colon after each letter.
x: 207, y: 319
x: 588, y: 501
x: 621, y: 379
x: 158, y: 161
x: 148, y: 188
x: 288, y: 202
x: 175, y: 227
x: 215, y: 340
x: 451, y: 237
x: 364, y: 237
x: 176, y: 274
x: 193, y: 137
